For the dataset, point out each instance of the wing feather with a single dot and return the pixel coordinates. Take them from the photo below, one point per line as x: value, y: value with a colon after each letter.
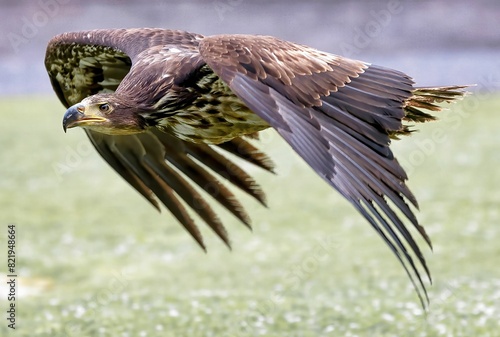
x: 338, y: 115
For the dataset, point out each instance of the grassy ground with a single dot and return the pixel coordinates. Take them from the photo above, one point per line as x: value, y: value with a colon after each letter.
x: 94, y: 259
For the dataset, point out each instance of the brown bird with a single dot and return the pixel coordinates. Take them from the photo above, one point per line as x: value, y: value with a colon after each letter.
x: 155, y: 102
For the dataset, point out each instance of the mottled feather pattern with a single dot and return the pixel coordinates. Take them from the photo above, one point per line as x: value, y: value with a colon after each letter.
x: 190, y: 101
x: 338, y: 114
x: 127, y: 154
x: 214, y: 117
x: 85, y: 70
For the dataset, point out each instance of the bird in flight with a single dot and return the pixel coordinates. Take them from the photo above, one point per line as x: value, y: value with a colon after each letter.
x: 165, y: 107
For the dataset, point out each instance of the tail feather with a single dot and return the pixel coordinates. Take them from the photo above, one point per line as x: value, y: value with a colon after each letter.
x: 428, y: 98
x: 439, y: 94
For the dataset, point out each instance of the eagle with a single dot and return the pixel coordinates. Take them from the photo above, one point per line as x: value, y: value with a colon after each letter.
x: 169, y: 110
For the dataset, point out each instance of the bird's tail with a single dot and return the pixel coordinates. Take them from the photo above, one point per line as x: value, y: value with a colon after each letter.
x: 428, y: 98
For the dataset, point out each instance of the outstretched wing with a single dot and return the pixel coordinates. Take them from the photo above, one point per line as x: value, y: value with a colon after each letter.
x: 157, y: 165
x: 337, y: 114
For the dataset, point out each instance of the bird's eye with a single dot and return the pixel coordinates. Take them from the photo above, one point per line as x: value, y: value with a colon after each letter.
x: 104, y: 107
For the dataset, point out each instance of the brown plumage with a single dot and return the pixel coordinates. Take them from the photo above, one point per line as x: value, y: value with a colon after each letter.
x: 154, y: 101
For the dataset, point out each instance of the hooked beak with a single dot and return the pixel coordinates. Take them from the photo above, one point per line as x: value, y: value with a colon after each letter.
x: 75, y: 116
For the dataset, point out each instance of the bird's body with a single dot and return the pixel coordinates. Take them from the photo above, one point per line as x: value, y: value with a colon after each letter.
x: 213, y: 116
x: 152, y: 100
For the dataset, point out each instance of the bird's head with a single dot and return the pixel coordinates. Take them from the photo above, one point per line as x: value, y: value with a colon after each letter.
x: 104, y: 113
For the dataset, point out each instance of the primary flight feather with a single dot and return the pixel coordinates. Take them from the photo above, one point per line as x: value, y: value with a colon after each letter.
x: 154, y: 102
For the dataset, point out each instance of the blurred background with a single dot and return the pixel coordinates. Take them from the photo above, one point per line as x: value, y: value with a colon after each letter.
x: 437, y: 42
x: 96, y: 260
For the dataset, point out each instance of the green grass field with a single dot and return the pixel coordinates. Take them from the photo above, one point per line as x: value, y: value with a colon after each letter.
x: 95, y: 259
